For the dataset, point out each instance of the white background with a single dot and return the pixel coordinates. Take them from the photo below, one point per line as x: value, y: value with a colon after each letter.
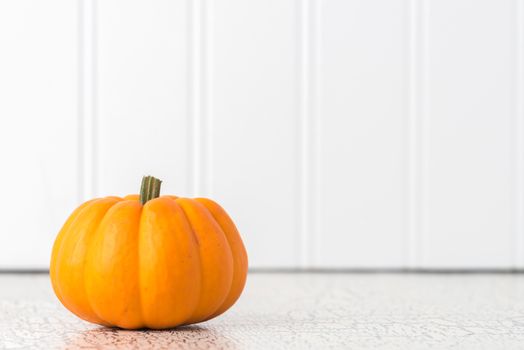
x: 337, y: 133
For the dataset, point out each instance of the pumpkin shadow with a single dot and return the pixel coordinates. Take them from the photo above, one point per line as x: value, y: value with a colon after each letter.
x: 184, y: 337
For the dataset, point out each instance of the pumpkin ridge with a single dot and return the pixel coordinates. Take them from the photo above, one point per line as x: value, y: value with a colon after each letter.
x: 97, y: 297
x: 93, y: 232
x: 57, y: 247
x: 138, y: 271
x: 65, y: 259
x: 212, y: 217
x: 195, y: 238
x: 139, y: 266
x: 238, y: 271
x: 196, y: 210
x: 168, y: 251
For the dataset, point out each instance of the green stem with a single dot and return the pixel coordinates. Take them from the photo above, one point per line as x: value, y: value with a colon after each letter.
x: 150, y: 189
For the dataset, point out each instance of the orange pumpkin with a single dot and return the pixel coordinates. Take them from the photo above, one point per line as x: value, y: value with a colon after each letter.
x: 145, y: 261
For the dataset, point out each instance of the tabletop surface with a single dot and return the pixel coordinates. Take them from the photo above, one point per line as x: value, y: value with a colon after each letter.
x: 297, y: 311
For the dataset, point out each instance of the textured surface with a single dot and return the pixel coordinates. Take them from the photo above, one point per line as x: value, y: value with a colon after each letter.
x: 297, y: 311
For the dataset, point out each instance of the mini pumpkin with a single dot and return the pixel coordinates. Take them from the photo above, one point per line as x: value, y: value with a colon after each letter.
x: 148, y: 261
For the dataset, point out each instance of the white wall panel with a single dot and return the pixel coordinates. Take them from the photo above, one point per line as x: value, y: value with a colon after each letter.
x: 38, y: 127
x: 338, y: 134
x: 141, y: 96
x: 362, y: 127
x: 253, y: 111
x: 467, y: 198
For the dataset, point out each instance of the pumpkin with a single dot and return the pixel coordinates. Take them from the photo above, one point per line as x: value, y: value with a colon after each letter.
x: 148, y: 261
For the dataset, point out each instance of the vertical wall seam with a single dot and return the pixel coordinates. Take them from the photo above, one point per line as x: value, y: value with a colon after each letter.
x: 196, y: 96
x: 518, y: 135
x: 81, y: 194
x: 190, y: 92
x: 316, y: 204
x: 208, y: 84
x: 94, y: 139
x: 197, y: 108
x: 199, y: 85
x: 307, y: 167
x: 303, y: 192
x: 418, y: 134
x: 425, y: 131
x: 87, y: 102
x: 413, y: 136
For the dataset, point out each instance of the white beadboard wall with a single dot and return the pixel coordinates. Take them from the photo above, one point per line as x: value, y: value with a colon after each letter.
x: 337, y: 133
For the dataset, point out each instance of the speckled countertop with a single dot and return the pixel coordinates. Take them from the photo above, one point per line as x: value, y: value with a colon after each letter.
x: 297, y: 311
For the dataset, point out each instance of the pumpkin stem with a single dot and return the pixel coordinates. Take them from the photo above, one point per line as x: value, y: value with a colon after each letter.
x: 150, y: 189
